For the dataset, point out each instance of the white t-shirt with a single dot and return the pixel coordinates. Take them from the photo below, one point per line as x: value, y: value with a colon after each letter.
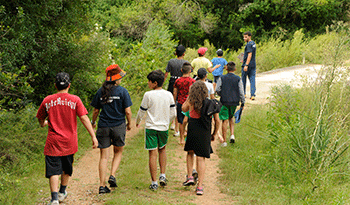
x: 160, y: 108
x: 210, y: 88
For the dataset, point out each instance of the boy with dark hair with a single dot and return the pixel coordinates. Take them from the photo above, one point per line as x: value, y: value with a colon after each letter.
x: 59, y: 111
x: 230, y: 88
x: 217, y: 71
x: 174, y: 67
x: 160, y: 108
x: 249, y: 64
x: 181, y: 90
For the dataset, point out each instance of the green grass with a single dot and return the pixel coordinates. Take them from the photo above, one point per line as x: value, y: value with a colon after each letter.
x: 251, y: 176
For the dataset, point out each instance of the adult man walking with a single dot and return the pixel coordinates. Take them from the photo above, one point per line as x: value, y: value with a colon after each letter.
x: 249, y: 64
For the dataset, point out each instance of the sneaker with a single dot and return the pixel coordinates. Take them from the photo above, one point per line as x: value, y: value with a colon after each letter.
x: 112, y: 181
x: 163, y: 181
x: 252, y: 98
x: 224, y: 144
x: 172, y: 127
x: 176, y: 134
x: 54, y: 202
x: 153, y: 187
x: 189, y: 181
x: 199, y: 190
x: 62, y: 196
x: 232, y: 139
x: 104, y: 190
x: 195, y: 175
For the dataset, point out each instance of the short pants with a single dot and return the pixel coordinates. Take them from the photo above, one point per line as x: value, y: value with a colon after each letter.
x: 108, y: 136
x: 155, y: 139
x: 227, y: 112
x: 56, y: 165
x: 179, y: 114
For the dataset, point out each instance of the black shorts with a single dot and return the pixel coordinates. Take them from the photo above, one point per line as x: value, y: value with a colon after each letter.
x: 108, y: 136
x: 180, y: 115
x: 58, y: 165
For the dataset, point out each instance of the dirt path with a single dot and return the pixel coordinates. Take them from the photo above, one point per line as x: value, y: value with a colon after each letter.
x: 83, y: 187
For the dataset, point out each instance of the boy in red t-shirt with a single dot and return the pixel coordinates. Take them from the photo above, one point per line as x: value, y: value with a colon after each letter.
x: 59, y: 111
x: 181, y: 90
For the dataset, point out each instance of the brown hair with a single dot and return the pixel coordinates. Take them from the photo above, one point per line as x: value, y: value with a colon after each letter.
x: 198, y: 93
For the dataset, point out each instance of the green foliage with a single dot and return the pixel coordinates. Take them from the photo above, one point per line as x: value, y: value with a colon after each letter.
x: 151, y: 54
x: 40, y: 39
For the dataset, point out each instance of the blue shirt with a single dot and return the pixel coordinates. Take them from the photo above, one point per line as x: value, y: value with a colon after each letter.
x: 219, y: 71
x: 113, y: 112
x: 249, y: 48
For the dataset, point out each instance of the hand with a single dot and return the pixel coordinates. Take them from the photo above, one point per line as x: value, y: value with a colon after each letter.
x: 94, y: 143
x: 45, y: 123
x: 128, y: 126
x: 245, y: 68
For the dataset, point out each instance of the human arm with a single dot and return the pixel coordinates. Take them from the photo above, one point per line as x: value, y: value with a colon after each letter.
x: 87, y: 124
x: 128, y: 115
x: 143, y: 109
x: 249, y: 57
x: 172, y: 110
x: 218, y: 87
x: 241, y: 92
x: 166, y: 76
x: 95, y: 114
x: 186, y: 106
x: 211, y: 69
x: 216, y: 127
x: 43, y: 122
x: 175, y: 93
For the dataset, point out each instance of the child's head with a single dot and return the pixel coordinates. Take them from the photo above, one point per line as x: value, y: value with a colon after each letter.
x: 180, y: 50
x: 62, y: 81
x: 202, y: 73
x: 198, y: 93
x: 231, y: 66
x: 201, y: 51
x: 186, y: 68
x: 114, y: 73
x: 156, y: 77
x: 220, y: 52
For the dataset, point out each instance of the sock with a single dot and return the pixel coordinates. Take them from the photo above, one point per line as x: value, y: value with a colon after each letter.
x: 63, y: 189
x: 162, y: 175
x: 54, y: 196
x: 155, y: 182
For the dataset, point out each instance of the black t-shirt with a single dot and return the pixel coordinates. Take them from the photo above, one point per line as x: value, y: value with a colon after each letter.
x: 174, y: 67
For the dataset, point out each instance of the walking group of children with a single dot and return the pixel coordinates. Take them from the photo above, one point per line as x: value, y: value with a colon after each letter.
x: 189, y: 100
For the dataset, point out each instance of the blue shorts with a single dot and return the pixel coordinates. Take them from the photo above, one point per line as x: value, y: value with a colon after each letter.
x: 180, y: 115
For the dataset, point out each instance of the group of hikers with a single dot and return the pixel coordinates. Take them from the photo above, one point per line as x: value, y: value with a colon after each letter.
x: 189, y: 102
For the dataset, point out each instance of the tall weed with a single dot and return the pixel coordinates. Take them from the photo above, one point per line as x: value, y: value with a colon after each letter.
x: 309, y: 127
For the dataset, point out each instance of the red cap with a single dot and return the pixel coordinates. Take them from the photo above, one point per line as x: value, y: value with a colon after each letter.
x: 113, y: 72
x: 202, y: 50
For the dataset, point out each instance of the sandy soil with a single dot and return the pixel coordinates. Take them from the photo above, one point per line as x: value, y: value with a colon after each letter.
x: 83, y: 187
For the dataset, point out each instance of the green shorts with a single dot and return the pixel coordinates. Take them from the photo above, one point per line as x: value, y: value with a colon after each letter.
x: 227, y: 112
x: 155, y: 139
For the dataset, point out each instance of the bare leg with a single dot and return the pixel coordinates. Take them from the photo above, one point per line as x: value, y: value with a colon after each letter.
x: 182, y: 133
x: 153, y: 164
x: 64, y: 179
x: 232, y: 128
x: 201, y: 170
x: 53, y: 180
x: 103, y: 165
x: 176, y: 125
x: 118, y: 152
x: 162, y: 160
x: 214, y: 86
x: 189, y: 160
x: 224, y: 129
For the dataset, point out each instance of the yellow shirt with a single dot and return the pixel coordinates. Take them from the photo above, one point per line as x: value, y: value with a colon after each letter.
x: 200, y: 62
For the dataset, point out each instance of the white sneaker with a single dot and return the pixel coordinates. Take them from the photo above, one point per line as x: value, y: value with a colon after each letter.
x: 54, y: 202
x: 176, y: 134
x: 224, y: 144
x: 232, y: 139
x: 62, y: 196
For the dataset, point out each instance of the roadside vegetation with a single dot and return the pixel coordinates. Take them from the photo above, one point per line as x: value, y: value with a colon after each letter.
x: 294, y: 151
